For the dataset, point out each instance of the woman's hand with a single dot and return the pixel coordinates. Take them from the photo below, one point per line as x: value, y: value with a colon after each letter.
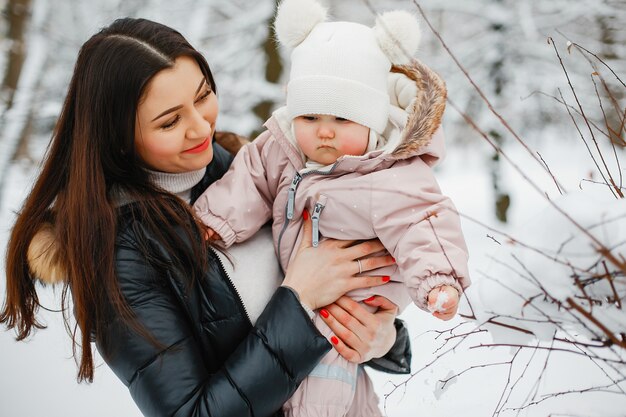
x: 361, y: 335
x: 323, y: 274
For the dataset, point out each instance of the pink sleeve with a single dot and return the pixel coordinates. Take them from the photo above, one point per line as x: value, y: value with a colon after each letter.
x: 421, y: 228
x: 237, y: 205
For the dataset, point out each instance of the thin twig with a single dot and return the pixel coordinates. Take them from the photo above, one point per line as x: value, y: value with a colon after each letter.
x: 493, y: 238
x: 609, y: 278
x: 595, y: 321
x: 519, y: 378
x: 534, y: 391
x: 578, y: 46
x: 580, y: 107
x: 601, y: 368
x: 582, y: 137
x: 490, y: 345
x: 572, y: 108
x: 558, y: 394
x: 487, y: 365
x: 606, y: 122
x: 597, y: 182
x: 616, y: 107
x: 508, y: 381
x: 558, y: 186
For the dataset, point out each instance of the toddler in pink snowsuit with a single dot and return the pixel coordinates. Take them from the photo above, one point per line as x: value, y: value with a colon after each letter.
x: 353, y: 146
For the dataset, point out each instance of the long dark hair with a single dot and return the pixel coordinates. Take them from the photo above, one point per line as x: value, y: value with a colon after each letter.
x: 91, y: 160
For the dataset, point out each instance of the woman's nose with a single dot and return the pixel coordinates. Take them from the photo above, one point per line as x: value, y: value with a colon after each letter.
x: 199, y: 128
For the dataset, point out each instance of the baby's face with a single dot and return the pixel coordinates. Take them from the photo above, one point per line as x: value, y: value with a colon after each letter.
x: 325, y: 138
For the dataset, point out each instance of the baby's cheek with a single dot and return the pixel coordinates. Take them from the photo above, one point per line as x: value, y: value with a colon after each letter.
x: 355, y: 146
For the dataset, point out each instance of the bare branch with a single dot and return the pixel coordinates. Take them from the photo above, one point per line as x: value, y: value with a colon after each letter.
x: 595, y: 321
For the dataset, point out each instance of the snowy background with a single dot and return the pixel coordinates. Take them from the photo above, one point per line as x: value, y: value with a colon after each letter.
x: 527, y: 258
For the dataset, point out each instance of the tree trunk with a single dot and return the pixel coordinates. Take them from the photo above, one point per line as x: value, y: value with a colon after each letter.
x: 17, y: 13
x: 609, y: 30
x: 273, y: 70
x: 16, y: 121
x: 498, y: 77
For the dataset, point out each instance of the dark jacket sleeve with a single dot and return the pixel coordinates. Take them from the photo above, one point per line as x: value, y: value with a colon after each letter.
x: 173, y: 379
x: 214, y: 171
x: 220, y: 163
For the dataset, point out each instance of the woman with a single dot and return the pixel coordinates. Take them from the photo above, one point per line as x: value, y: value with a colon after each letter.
x: 109, y: 216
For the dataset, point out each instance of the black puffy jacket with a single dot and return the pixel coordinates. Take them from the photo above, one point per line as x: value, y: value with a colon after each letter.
x: 211, y: 362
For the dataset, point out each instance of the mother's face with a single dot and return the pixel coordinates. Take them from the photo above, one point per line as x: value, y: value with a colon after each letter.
x: 176, y: 119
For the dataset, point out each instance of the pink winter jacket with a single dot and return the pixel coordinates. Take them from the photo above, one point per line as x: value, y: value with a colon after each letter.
x: 389, y: 193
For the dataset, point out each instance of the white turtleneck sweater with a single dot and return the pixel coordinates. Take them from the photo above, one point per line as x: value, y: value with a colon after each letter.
x: 254, y: 271
x: 178, y: 183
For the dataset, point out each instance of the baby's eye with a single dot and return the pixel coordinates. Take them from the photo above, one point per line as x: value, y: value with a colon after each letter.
x: 341, y: 119
x: 309, y: 118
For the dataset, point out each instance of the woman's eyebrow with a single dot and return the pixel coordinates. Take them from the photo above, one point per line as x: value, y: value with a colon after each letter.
x: 180, y: 105
x: 200, y: 86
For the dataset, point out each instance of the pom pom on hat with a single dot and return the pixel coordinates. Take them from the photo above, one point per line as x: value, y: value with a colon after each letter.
x: 295, y: 19
x: 398, y: 35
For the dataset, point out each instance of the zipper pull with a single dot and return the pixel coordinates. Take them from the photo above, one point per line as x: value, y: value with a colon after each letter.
x: 315, y: 218
x: 292, y: 195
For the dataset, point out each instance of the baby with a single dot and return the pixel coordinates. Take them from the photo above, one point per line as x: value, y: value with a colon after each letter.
x: 354, y: 147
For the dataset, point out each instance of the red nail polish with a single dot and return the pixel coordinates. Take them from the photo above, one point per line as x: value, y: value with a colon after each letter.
x: 305, y: 215
x: 386, y: 278
x: 324, y: 313
x: 334, y: 340
x: 393, y: 259
x: 370, y: 299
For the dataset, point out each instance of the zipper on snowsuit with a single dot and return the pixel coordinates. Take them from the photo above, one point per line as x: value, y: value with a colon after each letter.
x: 315, y: 218
x: 294, y: 185
x: 291, y: 198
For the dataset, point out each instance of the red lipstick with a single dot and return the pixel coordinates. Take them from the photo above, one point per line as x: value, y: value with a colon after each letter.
x: 197, y: 149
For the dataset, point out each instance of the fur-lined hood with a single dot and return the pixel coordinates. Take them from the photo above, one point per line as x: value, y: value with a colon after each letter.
x: 44, y: 256
x: 425, y: 110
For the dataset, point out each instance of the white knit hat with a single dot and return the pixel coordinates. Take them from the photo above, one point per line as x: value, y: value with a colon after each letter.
x: 341, y: 68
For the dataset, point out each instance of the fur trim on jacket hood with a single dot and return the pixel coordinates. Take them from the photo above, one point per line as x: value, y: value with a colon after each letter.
x: 425, y: 111
x: 44, y: 256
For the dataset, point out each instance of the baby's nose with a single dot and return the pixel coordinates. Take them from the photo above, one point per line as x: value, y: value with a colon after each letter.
x: 326, y: 133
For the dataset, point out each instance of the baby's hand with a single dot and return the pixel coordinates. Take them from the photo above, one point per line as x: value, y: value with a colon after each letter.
x: 443, y: 302
x: 211, y: 235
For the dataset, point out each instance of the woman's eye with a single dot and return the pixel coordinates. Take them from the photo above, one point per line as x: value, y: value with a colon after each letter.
x: 170, y: 124
x: 204, y: 96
